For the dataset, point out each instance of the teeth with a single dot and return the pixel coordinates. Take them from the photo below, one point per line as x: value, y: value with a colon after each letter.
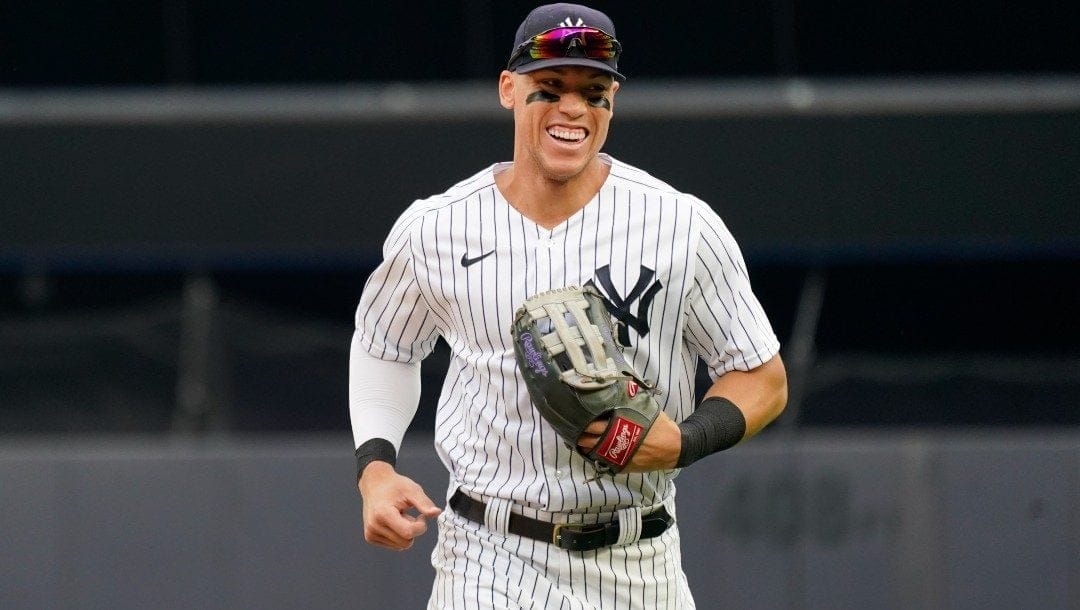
x: 571, y: 135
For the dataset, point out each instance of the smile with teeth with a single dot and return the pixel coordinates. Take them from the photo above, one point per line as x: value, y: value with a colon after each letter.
x: 567, y: 134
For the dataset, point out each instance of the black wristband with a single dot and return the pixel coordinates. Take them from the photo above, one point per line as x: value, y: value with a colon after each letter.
x: 375, y: 450
x: 715, y: 425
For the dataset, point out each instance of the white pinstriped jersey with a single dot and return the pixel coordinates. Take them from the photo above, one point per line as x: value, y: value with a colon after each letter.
x: 458, y: 265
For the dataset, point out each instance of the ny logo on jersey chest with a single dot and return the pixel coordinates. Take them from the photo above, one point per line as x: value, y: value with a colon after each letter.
x: 619, y: 306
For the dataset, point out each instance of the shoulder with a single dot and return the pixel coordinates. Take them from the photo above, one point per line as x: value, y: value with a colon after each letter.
x: 628, y: 177
x: 624, y: 175
x: 457, y: 194
x: 700, y: 224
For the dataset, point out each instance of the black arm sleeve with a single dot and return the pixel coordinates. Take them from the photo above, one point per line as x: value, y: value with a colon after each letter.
x: 716, y: 424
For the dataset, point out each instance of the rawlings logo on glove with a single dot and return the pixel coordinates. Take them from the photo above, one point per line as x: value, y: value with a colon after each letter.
x: 576, y: 374
x: 626, y: 434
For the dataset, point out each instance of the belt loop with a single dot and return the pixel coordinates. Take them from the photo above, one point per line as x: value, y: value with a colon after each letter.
x: 669, y: 504
x: 497, y: 515
x: 629, y: 525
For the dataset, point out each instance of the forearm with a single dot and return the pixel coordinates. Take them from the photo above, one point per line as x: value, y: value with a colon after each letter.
x: 736, y: 407
x: 760, y: 393
x: 383, y: 397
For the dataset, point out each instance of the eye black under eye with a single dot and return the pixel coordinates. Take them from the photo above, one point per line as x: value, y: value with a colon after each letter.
x: 542, y: 96
x: 599, y: 101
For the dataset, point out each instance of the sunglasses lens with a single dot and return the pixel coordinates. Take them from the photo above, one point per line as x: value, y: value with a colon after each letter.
x: 570, y: 42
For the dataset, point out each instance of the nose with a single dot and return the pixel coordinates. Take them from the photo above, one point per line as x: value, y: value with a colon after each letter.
x: 572, y: 105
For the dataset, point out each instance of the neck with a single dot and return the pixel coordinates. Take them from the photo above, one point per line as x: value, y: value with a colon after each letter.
x: 548, y: 201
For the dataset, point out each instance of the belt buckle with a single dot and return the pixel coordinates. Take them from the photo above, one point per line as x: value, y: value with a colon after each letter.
x: 564, y: 535
x: 556, y: 533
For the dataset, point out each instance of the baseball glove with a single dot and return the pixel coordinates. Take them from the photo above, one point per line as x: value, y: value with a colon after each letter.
x: 576, y: 374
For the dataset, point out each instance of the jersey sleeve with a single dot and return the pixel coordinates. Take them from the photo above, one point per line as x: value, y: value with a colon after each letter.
x: 726, y: 325
x: 393, y: 321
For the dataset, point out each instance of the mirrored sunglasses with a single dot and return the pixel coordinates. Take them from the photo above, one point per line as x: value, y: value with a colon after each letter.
x: 557, y: 43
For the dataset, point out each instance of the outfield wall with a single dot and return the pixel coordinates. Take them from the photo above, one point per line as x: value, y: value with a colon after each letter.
x: 882, y: 520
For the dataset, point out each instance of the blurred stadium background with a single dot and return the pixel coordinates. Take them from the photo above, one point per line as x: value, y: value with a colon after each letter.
x: 193, y: 193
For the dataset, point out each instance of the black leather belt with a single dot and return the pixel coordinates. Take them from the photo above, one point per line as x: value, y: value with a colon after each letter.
x: 572, y: 537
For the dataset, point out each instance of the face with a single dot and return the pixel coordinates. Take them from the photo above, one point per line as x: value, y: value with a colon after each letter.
x: 561, y: 117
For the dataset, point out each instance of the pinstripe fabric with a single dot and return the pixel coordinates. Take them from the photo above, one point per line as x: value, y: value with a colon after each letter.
x: 521, y: 573
x: 670, y: 270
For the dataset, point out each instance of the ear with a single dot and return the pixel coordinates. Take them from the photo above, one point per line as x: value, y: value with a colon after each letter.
x: 506, y: 89
x: 614, y: 90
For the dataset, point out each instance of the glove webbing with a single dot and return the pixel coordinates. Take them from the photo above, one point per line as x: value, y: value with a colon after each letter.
x: 594, y: 371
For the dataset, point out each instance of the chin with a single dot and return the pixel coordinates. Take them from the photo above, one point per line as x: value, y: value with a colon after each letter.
x: 564, y: 171
x: 561, y: 175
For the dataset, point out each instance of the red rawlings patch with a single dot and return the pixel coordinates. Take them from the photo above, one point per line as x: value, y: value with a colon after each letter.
x: 625, y: 434
x: 631, y: 388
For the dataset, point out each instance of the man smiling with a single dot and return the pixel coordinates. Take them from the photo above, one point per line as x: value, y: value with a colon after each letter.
x: 561, y: 119
x: 531, y: 524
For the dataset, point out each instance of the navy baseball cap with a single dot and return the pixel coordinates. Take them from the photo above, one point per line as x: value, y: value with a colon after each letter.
x: 565, y: 34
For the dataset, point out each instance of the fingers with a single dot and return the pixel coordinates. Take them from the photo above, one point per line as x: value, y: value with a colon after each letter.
x: 423, y: 504
x: 591, y: 435
x: 597, y: 427
x: 586, y: 442
x: 390, y: 501
x: 395, y: 530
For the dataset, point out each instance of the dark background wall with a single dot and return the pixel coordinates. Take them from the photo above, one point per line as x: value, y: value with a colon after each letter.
x: 126, y: 42
x: 193, y: 194
x: 923, y: 266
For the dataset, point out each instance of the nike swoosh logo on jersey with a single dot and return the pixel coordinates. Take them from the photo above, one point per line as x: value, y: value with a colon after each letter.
x: 466, y: 261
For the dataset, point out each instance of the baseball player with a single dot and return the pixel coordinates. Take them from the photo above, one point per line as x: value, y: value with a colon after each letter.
x: 529, y: 523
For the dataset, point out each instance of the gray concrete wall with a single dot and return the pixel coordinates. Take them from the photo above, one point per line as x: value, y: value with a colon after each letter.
x: 920, y: 520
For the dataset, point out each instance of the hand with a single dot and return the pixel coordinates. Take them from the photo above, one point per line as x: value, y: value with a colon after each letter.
x: 659, y: 451
x: 388, y: 499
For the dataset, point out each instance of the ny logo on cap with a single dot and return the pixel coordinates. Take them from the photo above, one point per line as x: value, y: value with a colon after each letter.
x: 566, y: 23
